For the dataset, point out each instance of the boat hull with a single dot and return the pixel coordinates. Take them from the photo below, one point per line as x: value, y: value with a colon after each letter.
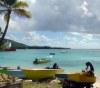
x: 38, y: 74
x: 16, y: 73
x: 77, y: 77
x: 10, y: 49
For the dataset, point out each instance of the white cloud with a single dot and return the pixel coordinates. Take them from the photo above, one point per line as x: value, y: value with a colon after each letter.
x: 37, y: 37
x: 84, y: 7
x: 79, y: 19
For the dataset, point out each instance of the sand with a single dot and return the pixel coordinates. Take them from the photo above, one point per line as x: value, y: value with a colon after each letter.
x: 29, y: 84
x: 97, y: 84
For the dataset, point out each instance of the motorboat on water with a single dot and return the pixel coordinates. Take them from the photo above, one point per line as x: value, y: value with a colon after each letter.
x: 51, y: 53
x: 41, y: 61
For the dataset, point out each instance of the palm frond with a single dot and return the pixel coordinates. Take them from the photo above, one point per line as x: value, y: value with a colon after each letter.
x: 10, y: 2
x: 20, y: 4
x: 23, y: 13
x: 2, y: 3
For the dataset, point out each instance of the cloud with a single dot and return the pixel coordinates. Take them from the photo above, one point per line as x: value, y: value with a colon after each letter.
x: 37, y: 37
x: 60, y: 16
x: 82, y: 40
x: 67, y: 23
x: 85, y: 9
x: 63, y: 16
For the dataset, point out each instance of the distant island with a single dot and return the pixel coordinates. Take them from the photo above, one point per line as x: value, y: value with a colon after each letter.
x: 18, y: 45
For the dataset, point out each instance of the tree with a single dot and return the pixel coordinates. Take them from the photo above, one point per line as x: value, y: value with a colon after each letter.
x: 1, y: 31
x: 15, y: 6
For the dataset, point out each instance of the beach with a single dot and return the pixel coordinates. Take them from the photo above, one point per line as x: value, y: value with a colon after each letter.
x: 58, y: 47
x: 54, y: 83
x: 97, y: 84
x: 51, y: 84
x: 71, y: 61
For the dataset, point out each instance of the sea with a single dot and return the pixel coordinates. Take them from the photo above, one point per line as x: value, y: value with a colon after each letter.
x: 71, y: 60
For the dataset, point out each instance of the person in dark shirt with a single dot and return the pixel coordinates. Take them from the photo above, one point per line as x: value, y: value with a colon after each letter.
x: 55, y: 66
x: 89, y: 68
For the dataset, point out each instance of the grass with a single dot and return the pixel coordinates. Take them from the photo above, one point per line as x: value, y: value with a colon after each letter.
x: 41, y: 85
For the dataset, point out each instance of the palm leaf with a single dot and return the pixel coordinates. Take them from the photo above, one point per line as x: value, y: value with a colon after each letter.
x: 23, y: 13
x: 2, y: 3
x: 20, y: 4
x: 9, y: 2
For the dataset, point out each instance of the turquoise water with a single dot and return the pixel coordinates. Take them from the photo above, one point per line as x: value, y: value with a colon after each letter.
x: 70, y: 60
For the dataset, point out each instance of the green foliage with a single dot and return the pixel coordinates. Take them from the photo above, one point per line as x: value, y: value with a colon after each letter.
x: 4, y: 70
x: 20, y: 4
x: 10, y: 2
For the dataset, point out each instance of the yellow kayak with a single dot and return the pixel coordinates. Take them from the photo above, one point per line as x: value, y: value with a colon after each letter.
x: 38, y: 74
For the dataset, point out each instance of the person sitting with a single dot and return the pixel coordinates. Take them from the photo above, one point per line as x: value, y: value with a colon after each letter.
x: 89, y: 68
x: 18, y: 67
x: 55, y: 66
x: 36, y: 60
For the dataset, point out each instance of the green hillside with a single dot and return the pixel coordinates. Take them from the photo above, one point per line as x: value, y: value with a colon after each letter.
x: 18, y: 45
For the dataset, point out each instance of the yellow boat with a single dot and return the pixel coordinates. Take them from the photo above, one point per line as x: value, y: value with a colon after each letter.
x: 82, y: 77
x: 78, y: 77
x: 39, y: 74
x: 77, y: 80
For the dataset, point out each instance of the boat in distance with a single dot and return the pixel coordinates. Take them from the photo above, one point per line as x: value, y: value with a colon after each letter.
x: 39, y: 74
x: 52, y: 53
x: 10, y: 49
x: 41, y: 61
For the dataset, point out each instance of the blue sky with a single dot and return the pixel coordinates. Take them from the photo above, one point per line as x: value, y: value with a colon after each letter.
x: 61, y: 23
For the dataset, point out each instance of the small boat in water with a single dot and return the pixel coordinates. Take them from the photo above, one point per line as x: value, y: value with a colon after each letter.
x: 8, y: 46
x: 41, y: 61
x: 52, y: 53
x: 10, y: 49
x: 39, y: 74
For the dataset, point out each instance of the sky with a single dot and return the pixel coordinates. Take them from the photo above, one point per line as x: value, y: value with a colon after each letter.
x: 58, y: 23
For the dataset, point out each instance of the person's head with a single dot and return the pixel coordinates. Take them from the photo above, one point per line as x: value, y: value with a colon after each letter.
x: 36, y: 59
x: 18, y: 67
x: 88, y: 63
x: 55, y: 64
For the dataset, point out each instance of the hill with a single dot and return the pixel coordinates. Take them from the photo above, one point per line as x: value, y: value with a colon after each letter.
x: 18, y: 45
